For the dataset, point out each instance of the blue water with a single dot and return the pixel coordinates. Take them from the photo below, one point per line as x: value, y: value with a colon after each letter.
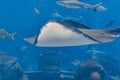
x: 20, y: 16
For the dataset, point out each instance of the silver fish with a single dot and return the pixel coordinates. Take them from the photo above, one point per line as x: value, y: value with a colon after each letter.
x: 77, y: 4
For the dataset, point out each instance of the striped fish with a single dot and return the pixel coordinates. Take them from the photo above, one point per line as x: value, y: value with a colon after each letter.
x: 4, y: 34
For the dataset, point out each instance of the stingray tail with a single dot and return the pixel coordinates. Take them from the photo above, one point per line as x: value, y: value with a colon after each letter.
x: 31, y: 40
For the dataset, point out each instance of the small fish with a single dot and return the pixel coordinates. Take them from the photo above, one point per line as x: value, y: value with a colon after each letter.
x: 75, y: 62
x: 23, y: 48
x: 4, y: 34
x: 36, y: 10
x: 66, y: 76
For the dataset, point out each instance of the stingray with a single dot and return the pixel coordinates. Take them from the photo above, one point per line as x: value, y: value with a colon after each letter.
x: 71, y: 33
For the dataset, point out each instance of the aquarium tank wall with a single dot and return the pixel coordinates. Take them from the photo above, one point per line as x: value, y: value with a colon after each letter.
x: 59, y: 40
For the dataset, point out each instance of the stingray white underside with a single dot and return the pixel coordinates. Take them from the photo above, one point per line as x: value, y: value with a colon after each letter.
x: 55, y: 34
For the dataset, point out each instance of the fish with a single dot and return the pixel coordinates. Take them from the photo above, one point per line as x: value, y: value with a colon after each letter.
x: 110, y: 23
x: 36, y: 10
x: 23, y: 48
x: 71, y: 33
x: 75, y: 4
x: 4, y: 34
x: 66, y: 76
x: 75, y: 62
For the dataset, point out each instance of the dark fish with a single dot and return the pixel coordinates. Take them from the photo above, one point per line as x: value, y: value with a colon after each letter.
x: 110, y: 23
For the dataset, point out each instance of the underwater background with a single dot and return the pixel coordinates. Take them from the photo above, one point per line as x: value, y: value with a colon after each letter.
x: 26, y: 18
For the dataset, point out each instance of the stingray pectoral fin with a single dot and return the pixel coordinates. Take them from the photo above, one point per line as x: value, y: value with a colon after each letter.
x: 31, y: 40
x: 107, y: 35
